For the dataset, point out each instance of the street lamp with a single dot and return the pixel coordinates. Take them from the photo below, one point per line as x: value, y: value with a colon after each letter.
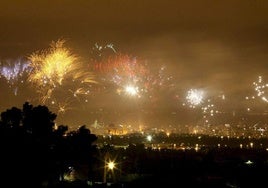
x: 111, y: 165
x: 149, y: 138
x: 108, y: 166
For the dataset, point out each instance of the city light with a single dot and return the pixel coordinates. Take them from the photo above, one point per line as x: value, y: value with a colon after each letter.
x: 149, y: 138
x: 111, y: 165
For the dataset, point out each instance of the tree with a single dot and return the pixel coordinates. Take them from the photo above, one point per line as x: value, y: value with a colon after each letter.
x: 11, y: 118
x: 38, y: 120
x: 81, y: 142
x: 82, y: 152
x: 34, y: 150
x: 26, y: 142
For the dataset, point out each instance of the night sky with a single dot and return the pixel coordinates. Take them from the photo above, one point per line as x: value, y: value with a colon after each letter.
x: 214, y: 46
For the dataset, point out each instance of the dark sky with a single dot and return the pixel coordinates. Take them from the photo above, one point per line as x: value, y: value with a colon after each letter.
x: 220, y: 46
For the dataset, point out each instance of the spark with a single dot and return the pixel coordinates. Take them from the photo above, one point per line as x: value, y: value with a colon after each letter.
x: 121, y: 69
x: 57, y: 70
x: 131, y: 90
x: 99, y: 49
x: 194, y: 97
x: 111, y: 46
x: 63, y: 107
x: 14, y: 72
x: 50, y: 67
x: 260, y: 87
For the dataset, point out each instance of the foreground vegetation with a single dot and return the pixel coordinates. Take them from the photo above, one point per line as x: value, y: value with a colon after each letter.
x: 36, y: 153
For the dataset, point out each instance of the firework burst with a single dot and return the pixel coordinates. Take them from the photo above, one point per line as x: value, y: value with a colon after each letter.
x: 194, y: 97
x: 261, y: 89
x: 56, y: 72
x: 50, y: 67
x: 14, y: 72
x: 131, y: 76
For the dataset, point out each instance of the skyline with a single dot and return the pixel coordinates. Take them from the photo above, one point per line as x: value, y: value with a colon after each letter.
x: 218, y: 48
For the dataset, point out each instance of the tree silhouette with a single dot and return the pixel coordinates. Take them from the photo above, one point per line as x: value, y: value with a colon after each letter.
x: 81, y: 141
x: 81, y: 149
x: 11, y: 118
x: 38, y: 120
x: 61, y: 130
x: 34, y: 150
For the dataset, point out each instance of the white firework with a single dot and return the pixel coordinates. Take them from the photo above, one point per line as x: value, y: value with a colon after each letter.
x: 194, y: 97
x: 261, y: 89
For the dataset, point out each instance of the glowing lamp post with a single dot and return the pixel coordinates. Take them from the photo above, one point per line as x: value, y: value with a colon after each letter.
x: 149, y: 138
x: 111, y: 165
x: 108, y: 166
